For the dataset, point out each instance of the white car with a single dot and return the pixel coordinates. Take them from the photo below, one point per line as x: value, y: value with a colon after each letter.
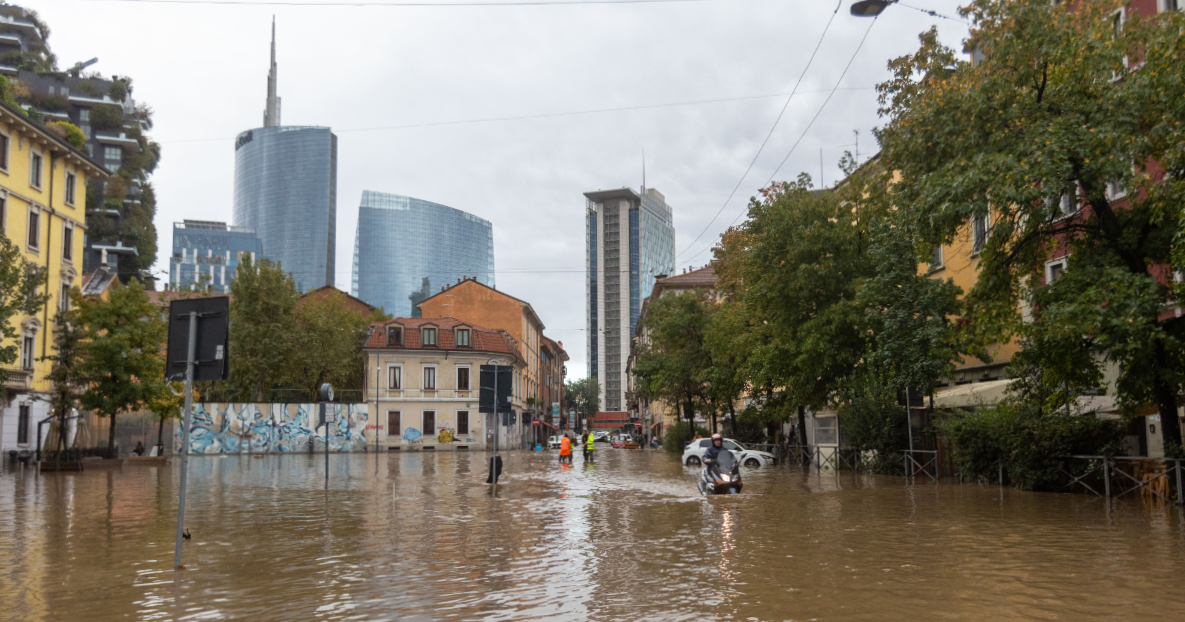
x: 554, y: 442
x: 694, y: 454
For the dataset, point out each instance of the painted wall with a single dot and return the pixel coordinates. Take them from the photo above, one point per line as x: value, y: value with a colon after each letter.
x: 259, y: 428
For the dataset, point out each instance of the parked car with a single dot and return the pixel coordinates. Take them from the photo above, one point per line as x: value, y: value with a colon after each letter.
x: 554, y: 442
x: 624, y: 441
x: 694, y: 454
x: 601, y: 437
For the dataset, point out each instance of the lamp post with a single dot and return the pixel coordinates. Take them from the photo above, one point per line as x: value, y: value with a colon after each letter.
x: 870, y: 8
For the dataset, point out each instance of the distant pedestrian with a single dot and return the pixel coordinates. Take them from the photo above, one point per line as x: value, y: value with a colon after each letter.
x: 588, y: 447
x: 139, y: 450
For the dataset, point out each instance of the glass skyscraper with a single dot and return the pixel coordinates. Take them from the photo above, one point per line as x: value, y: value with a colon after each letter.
x: 208, y: 253
x: 630, y: 241
x: 286, y: 190
x: 406, y: 249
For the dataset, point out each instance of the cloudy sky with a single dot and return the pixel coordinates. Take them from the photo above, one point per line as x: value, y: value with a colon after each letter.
x: 428, y: 102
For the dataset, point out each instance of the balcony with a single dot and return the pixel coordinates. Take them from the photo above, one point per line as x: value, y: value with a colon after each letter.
x: 123, y: 140
x: 19, y: 379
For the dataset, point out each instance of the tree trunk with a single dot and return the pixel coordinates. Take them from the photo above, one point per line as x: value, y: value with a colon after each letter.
x: 1166, y: 404
x: 802, y: 432
x: 160, y: 435
x: 111, y: 439
x: 732, y: 414
x: 689, y: 411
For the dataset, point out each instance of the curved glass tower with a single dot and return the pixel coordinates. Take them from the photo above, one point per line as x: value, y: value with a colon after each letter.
x: 406, y: 249
x: 286, y: 190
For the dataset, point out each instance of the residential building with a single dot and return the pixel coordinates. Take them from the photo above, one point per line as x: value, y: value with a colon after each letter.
x: 42, y: 211
x: 429, y: 371
x: 115, y: 127
x: 206, y: 254
x: 658, y: 415
x: 405, y: 248
x: 629, y: 242
x: 286, y: 190
x: 472, y: 301
x: 328, y: 292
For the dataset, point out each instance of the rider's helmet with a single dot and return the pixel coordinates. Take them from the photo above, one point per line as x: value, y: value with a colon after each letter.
x: 717, y: 437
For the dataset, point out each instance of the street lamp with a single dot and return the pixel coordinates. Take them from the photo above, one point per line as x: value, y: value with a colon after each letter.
x: 870, y: 8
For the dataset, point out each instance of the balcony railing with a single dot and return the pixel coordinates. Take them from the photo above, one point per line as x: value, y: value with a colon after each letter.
x: 18, y: 379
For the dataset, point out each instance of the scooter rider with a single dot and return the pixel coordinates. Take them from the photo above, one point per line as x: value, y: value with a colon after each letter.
x: 714, y: 449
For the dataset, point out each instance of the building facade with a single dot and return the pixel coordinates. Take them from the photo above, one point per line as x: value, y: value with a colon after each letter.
x: 286, y: 191
x: 207, y: 254
x: 473, y: 301
x: 405, y: 249
x: 630, y: 242
x: 423, y: 380
x: 43, y: 212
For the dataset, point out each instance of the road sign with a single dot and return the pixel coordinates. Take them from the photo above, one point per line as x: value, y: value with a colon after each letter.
x: 211, y: 360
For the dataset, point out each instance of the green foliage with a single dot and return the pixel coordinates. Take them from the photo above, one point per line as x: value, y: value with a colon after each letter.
x: 65, y: 375
x: 107, y: 118
x: 70, y: 132
x: 262, y: 325
x: 119, y: 89
x: 123, y: 358
x: 34, y: 115
x: 328, y: 337
x: 1049, y: 111
x: 676, y: 437
x: 19, y: 281
x: 8, y: 94
x: 88, y: 88
x: 1031, y: 443
x: 674, y: 363
x: 583, y: 396
x: 873, y: 421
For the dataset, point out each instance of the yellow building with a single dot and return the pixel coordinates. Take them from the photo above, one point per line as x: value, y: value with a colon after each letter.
x: 43, y: 211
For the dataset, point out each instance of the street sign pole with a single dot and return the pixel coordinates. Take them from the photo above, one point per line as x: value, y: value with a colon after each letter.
x: 327, y: 418
x: 497, y: 430
x: 187, y: 417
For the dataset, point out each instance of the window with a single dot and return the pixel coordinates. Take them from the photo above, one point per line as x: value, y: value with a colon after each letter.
x: 462, y: 378
x: 731, y: 446
x: 428, y: 337
x: 979, y: 232
x: 27, y: 352
x: 84, y: 124
x: 935, y: 261
x: 462, y: 422
x: 393, y: 427
x: 462, y: 337
x: 1055, y: 269
x: 71, y: 182
x: 1066, y: 206
x: 704, y: 443
x: 22, y: 425
x: 64, y: 303
x: 34, y: 218
x: 1115, y: 190
x: 67, y: 241
x: 394, y: 377
x: 3, y: 152
x: 35, y: 169
x: 1171, y: 5
x: 112, y: 158
x: 429, y: 378
x: 394, y: 335
x: 429, y: 422
x: 3, y: 212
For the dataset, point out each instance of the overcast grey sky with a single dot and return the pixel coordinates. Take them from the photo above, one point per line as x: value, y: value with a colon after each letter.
x: 203, y: 69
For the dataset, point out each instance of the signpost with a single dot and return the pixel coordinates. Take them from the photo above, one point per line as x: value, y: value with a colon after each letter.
x: 495, y: 398
x: 199, y: 328
x: 328, y: 416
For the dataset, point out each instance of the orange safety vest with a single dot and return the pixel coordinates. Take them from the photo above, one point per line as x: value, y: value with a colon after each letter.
x: 565, y: 446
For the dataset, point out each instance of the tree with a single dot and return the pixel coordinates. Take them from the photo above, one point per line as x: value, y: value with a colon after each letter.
x: 674, y: 364
x: 583, y: 396
x: 328, y: 336
x: 65, y: 376
x: 19, y: 280
x: 123, y: 355
x: 262, y: 325
x: 1066, y: 102
x: 728, y: 344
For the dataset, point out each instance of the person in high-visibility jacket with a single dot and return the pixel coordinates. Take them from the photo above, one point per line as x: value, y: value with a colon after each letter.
x: 588, y: 446
x: 565, y: 449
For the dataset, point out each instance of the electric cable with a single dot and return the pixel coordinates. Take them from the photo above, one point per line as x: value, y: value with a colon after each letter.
x: 382, y: 3
x: 769, y: 133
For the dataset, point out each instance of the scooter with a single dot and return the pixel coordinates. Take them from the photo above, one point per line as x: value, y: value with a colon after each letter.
x: 721, y: 477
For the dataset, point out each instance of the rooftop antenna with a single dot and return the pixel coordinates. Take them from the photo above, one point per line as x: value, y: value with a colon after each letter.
x: 271, y: 114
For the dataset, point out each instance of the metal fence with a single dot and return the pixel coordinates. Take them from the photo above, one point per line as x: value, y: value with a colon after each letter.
x: 1114, y: 477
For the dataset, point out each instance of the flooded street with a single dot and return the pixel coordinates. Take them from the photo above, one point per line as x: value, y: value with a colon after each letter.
x: 418, y: 537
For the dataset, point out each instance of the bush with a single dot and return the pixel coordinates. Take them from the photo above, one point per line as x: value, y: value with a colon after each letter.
x: 107, y: 118
x: 118, y: 90
x: 675, y: 438
x: 1032, y: 444
x: 69, y: 132
x: 872, y: 421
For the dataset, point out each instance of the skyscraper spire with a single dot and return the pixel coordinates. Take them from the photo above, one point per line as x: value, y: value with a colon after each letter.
x: 271, y: 114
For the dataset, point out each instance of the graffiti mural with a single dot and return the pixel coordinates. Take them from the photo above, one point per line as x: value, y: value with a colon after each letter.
x: 263, y: 428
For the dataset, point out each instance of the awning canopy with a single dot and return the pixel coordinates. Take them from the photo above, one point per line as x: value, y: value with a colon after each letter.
x: 969, y: 395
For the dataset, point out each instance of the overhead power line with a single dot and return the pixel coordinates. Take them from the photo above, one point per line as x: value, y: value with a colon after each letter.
x: 545, y: 115
x: 769, y: 133
x: 382, y: 3
x: 807, y: 128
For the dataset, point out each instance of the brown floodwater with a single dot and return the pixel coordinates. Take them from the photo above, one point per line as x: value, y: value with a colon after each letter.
x: 419, y: 537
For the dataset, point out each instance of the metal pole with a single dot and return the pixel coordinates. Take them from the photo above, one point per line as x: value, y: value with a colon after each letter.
x: 909, y: 420
x: 377, y: 380
x: 497, y: 426
x: 1000, y: 462
x: 325, y: 418
x: 186, y: 419
x: 1180, y: 493
x: 1107, y: 476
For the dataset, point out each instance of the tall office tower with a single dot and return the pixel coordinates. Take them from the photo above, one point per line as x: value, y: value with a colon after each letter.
x: 286, y: 190
x: 630, y: 241
x: 207, y: 253
x: 406, y: 249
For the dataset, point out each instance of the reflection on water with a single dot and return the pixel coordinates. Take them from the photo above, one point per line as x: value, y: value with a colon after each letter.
x: 418, y: 537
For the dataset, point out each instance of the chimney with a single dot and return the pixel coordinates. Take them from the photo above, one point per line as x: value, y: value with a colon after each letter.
x: 458, y: 281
